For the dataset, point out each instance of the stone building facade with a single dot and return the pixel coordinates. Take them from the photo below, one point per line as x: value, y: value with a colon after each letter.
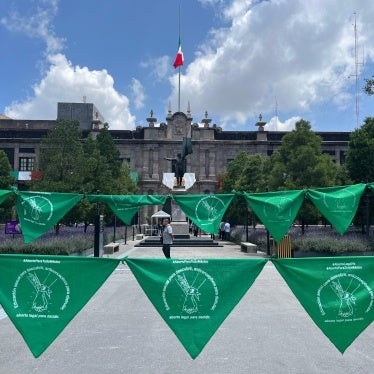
x: 147, y: 148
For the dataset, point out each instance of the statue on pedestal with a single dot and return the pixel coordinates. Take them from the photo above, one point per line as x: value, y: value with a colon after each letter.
x: 180, y: 169
x: 180, y: 161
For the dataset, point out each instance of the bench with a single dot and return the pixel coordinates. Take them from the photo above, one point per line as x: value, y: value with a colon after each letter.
x: 139, y: 236
x: 110, y: 248
x: 248, y: 247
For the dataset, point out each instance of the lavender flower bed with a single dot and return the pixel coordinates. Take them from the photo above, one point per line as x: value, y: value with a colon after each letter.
x: 70, y: 240
x: 319, y: 239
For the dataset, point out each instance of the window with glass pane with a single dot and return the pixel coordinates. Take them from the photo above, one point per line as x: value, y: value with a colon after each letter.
x: 26, y: 164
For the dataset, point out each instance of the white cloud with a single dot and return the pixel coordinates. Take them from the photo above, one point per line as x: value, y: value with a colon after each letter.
x: 276, y: 125
x: 64, y: 82
x: 138, y: 93
x: 300, y: 52
x: 37, y: 25
x: 159, y: 66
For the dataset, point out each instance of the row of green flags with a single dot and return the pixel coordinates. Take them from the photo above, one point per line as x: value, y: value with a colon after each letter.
x: 38, y: 212
x: 42, y: 294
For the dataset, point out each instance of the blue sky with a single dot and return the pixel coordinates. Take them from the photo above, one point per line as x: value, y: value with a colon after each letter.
x: 241, y: 58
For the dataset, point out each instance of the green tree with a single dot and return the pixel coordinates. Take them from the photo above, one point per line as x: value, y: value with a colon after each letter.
x: 369, y: 86
x: 360, y: 154
x: 299, y: 163
x: 6, y: 181
x: 97, y: 175
x: 126, y: 184
x: 71, y: 164
x: 244, y: 173
x: 360, y: 164
x: 61, y: 159
x: 109, y: 151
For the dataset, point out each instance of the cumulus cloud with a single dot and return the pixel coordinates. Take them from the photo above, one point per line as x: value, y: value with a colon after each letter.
x: 298, y: 51
x: 37, y: 25
x: 159, y: 67
x: 275, y: 124
x: 63, y: 82
x: 138, y: 93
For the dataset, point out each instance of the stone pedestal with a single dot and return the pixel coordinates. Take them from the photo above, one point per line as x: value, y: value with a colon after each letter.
x: 180, y: 228
x: 177, y: 214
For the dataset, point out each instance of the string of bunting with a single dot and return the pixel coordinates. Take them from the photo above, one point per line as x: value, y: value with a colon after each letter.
x: 38, y: 212
x: 42, y: 294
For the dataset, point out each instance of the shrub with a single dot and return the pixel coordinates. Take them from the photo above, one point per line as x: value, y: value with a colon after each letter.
x: 329, y: 245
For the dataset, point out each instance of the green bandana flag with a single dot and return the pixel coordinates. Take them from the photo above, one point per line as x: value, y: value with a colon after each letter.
x: 336, y: 292
x: 39, y: 211
x: 194, y: 296
x: 42, y: 294
x: 276, y: 210
x: 125, y: 206
x: 4, y: 194
x: 338, y: 204
x: 205, y: 211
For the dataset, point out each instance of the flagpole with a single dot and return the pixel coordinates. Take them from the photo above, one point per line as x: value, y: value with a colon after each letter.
x: 179, y: 89
x: 179, y: 68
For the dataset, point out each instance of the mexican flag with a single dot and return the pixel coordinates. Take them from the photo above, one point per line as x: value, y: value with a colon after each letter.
x: 179, y: 58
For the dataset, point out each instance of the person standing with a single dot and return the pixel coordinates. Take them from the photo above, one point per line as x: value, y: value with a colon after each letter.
x: 227, y: 231
x: 222, y: 230
x: 167, y: 237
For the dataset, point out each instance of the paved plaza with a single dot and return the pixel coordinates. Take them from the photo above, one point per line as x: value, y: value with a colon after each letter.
x: 119, y: 331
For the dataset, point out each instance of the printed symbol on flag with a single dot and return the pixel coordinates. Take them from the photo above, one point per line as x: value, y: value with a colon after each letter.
x: 192, y: 294
x: 345, y: 296
x: 43, y: 292
x: 208, y: 208
x: 195, y: 289
x: 278, y: 209
x: 340, y: 202
x: 47, y: 290
x: 37, y: 208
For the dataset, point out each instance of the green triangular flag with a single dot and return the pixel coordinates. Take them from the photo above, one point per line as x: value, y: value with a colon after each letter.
x: 40, y: 211
x: 42, y: 294
x: 194, y: 296
x: 125, y: 206
x: 205, y: 211
x: 336, y: 292
x: 276, y: 210
x: 338, y: 204
x: 4, y: 194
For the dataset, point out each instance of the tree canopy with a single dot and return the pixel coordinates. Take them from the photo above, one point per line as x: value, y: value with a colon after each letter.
x: 72, y: 164
x: 369, y: 86
x: 61, y: 159
x: 299, y: 162
x: 360, y: 155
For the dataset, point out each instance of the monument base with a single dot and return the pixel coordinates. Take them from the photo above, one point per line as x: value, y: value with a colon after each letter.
x: 169, y: 180
x: 180, y: 228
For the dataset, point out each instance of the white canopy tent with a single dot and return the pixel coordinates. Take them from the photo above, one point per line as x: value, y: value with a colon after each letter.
x: 156, y: 216
x: 160, y: 214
